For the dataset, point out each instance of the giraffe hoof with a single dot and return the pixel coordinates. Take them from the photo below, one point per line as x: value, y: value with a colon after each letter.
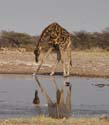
x: 51, y: 74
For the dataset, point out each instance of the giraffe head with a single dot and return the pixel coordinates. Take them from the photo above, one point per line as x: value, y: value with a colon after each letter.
x: 41, y: 47
x: 37, y: 52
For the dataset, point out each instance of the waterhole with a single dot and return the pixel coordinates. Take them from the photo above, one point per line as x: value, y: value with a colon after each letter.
x: 17, y: 93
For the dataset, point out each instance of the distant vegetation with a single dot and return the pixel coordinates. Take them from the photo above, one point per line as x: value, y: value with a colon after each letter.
x: 17, y: 40
x: 87, y: 40
x: 82, y: 40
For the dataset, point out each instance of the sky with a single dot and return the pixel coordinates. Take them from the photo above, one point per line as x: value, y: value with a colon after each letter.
x: 32, y: 16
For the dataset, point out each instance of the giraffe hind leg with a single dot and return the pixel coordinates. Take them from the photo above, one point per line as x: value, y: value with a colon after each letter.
x: 63, y: 62
x: 69, y: 64
x: 53, y: 69
x: 57, y: 61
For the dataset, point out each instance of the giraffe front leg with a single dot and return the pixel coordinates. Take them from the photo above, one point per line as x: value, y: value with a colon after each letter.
x: 39, y: 66
x: 43, y: 58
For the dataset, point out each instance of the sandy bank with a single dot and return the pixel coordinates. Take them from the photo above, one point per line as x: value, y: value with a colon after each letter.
x: 84, y: 63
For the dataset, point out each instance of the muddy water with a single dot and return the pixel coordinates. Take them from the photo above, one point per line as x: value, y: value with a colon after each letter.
x: 17, y: 93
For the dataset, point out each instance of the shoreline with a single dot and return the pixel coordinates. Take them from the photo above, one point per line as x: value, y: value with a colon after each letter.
x: 57, y: 73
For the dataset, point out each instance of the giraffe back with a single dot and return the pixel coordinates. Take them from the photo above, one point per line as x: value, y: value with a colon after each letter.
x: 55, y: 36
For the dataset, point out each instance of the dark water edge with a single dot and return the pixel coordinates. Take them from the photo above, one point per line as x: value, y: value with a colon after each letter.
x: 56, y: 73
x: 17, y: 93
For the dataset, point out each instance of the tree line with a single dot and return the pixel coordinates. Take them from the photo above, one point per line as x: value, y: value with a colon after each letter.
x: 82, y: 40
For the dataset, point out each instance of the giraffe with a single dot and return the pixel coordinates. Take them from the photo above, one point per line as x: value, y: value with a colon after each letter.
x: 54, y: 38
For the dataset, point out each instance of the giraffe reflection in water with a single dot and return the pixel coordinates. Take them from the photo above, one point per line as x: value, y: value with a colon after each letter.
x: 58, y: 109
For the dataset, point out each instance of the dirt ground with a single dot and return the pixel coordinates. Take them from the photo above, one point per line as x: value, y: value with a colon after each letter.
x: 85, y: 63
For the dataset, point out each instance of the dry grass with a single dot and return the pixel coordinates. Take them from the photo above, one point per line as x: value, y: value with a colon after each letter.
x: 40, y: 120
